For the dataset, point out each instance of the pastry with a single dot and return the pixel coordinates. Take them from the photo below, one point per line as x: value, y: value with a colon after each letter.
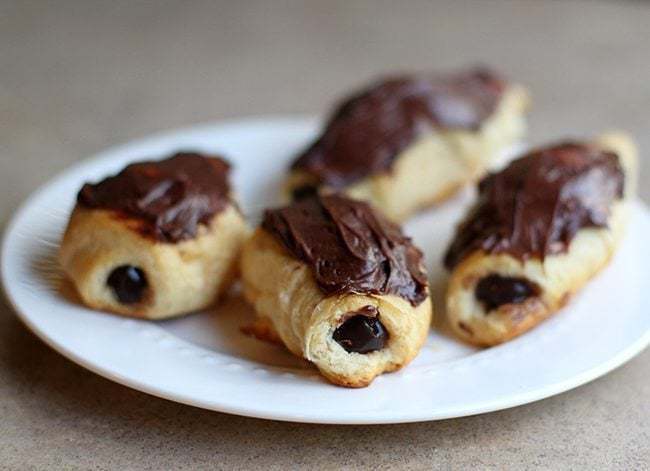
x: 409, y: 142
x: 156, y: 240
x: 339, y: 285
x: 541, y: 228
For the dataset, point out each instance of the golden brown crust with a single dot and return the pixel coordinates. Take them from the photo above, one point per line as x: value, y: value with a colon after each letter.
x: 262, y: 329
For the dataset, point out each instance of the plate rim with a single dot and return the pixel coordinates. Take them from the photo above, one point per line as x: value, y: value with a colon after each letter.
x: 514, y: 400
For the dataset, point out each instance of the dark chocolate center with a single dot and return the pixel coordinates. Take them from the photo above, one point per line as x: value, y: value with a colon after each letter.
x: 304, y: 191
x: 128, y: 283
x: 361, y: 334
x: 496, y: 290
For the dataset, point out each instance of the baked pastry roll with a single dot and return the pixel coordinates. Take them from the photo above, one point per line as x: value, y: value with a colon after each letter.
x: 156, y: 240
x: 340, y: 286
x: 409, y: 142
x: 541, y: 228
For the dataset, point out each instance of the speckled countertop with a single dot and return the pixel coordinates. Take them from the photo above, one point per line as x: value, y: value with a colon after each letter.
x: 76, y: 77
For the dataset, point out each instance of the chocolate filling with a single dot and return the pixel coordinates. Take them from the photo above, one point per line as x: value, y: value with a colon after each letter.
x: 129, y: 284
x: 535, y: 206
x: 304, y: 191
x: 170, y: 198
x: 349, y: 247
x: 496, y: 290
x: 368, y: 131
x: 362, y: 331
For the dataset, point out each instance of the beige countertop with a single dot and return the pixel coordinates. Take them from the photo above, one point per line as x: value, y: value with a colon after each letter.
x: 76, y: 77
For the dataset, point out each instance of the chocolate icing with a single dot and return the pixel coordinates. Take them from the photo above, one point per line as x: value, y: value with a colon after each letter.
x: 535, y: 206
x: 349, y: 247
x: 369, y: 130
x: 170, y: 197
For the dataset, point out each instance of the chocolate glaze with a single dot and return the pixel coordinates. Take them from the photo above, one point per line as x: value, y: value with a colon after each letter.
x: 536, y: 205
x: 369, y: 130
x: 349, y: 247
x: 361, y: 331
x: 170, y: 197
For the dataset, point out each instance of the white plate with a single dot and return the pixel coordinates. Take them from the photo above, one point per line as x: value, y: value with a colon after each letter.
x: 203, y: 360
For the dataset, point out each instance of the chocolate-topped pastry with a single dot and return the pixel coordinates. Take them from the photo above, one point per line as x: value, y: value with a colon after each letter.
x: 158, y: 239
x: 540, y: 201
x: 340, y: 285
x: 541, y: 228
x: 170, y: 198
x: 410, y: 141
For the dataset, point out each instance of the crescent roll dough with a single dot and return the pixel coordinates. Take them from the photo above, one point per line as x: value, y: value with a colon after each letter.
x: 181, y: 277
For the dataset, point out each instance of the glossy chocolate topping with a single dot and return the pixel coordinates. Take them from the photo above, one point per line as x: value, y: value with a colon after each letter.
x: 536, y: 205
x: 170, y: 197
x: 369, y: 130
x: 349, y: 247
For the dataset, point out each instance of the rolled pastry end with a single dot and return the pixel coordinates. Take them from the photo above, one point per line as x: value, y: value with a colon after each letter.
x: 116, y: 268
x: 350, y: 338
x: 493, y: 298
